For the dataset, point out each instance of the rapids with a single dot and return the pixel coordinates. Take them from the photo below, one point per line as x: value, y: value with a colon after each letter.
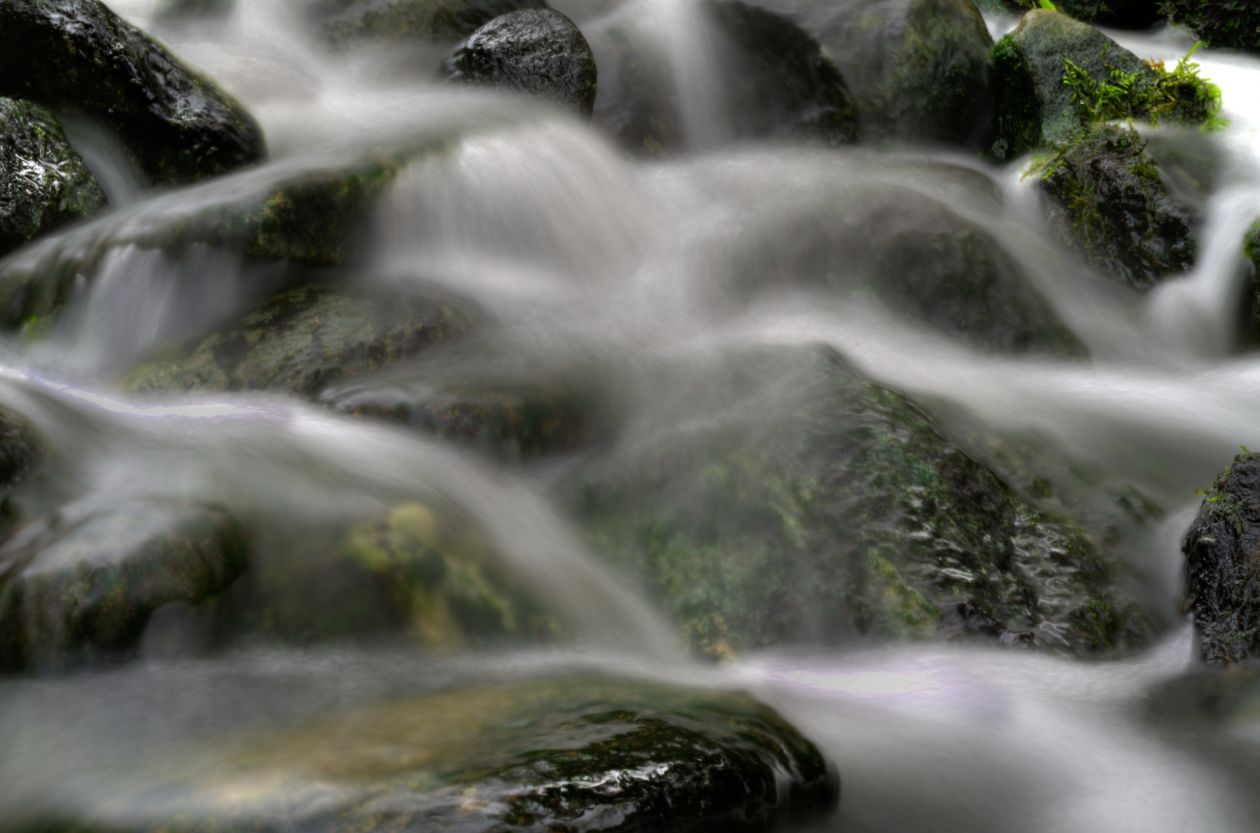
x: 588, y: 259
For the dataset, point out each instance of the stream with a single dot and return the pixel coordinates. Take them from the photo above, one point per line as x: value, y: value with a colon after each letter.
x: 588, y: 260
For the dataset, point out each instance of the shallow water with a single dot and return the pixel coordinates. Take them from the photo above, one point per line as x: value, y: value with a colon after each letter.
x: 586, y: 258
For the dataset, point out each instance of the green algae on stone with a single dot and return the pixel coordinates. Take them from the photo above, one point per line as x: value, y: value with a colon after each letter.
x: 44, y: 183
x: 304, y: 339
x: 834, y: 512
x: 563, y: 753
x: 1110, y: 202
x: 77, y: 55
x: 83, y: 582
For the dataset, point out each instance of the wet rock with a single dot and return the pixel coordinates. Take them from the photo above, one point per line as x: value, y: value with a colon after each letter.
x: 19, y: 448
x: 566, y: 753
x: 1222, y: 572
x: 304, y: 339
x: 43, y: 181
x: 413, y: 570
x: 913, y: 253
x: 77, y: 55
x: 1053, y: 75
x: 186, y: 11
x: 918, y: 69
x: 774, y: 80
x: 535, y: 51
x: 1110, y: 202
x: 821, y: 508
x: 1230, y: 24
x: 83, y: 582
x: 1122, y: 14
x: 344, y: 23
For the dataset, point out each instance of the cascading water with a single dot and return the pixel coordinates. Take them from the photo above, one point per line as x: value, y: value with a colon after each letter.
x: 587, y: 262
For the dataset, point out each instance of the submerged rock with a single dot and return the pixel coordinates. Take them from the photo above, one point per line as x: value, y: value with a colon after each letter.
x: 772, y: 80
x: 822, y: 508
x: 1054, y: 75
x: 304, y: 339
x: 536, y: 51
x: 344, y: 23
x: 1230, y: 24
x: 1222, y: 571
x: 83, y: 582
x: 43, y: 180
x: 77, y: 55
x: 565, y: 753
x: 1110, y: 202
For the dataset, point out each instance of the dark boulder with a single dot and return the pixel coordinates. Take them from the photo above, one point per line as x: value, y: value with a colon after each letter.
x: 1110, y: 202
x: 772, y: 80
x: 535, y: 51
x: 82, y: 583
x: 1229, y: 24
x: 78, y: 56
x: 1222, y: 568
x: 1122, y: 14
x: 344, y: 23
x: 918, y: 69
x: 805, y: 504
x: 562, y: 753
x: 43, y: 181
x: 304, y: 339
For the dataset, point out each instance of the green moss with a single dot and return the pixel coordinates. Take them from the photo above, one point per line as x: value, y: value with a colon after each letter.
x: 1155, y: 95
x: 1221, y: 23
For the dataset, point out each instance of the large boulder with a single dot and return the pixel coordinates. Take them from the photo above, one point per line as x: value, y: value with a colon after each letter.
x: 77, y: 55
x: 82, y: 583
x: 1110, y: 202
x: 1222, y: 570
x: 344, y: 23
x: 772, y: 80
x: 918, y: 69
x: 808, y: 505
x: 304, y: 339
x: 535, y: 51
x: 43, y: 180
x: 561, y: 753
x: 1054, y: 75
x: 1231, y: 24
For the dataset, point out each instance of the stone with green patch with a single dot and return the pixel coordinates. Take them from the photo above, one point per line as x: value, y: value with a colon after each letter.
x: 1229, y: 24
x: 77, y: 55
x: 82, y: 583
x: 1109, y: 201
x: 810, y: 505
x: 44, y: 183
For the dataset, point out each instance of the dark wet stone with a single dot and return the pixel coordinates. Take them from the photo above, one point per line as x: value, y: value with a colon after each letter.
x: 535, y: 51
x: 43, y: 181
x: 821, y: 508
x: 1230, y: 24
x: 82, y: 583
x: 569, y: 753
x: 305, y: 339
x: 1222, y: 570
x: 1110, y: 202
x: 188, y: 11
x: 77, y: 55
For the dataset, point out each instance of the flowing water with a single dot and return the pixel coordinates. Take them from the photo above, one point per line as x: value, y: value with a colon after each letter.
x: 584, y: 257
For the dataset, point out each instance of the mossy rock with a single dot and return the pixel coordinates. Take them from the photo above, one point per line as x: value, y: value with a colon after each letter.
x: 414, y: 570
x: 775, y: 81
x: 1222, y: 571
x: 345, y: 23
x: 1229, y: 24
x: 535, y: 51
x: 1122, y: 14
x: 77, y: 55
x: 913, y: 253
x: 1110, y: 202
x: 1054, y: 75
x: 43, y: 180
x: 308, y: 216
x: 918, y: 69
x: 822, y: 508
x: 82, y: 583
x: 564, y: 753
x: 304, y: 339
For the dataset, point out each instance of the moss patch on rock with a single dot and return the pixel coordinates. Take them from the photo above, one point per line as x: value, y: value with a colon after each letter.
x: 1231, y: 24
